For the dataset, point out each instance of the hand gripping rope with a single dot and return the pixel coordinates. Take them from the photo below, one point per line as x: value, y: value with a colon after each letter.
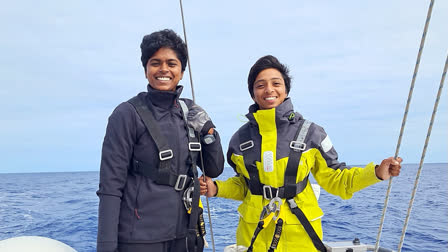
x: 194, y: 100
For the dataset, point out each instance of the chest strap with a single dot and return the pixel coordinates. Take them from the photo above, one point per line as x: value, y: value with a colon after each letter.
x: 179, y: 182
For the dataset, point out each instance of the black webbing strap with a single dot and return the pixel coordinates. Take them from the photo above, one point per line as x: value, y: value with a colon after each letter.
x: 306, y: 225
x: 269, y: 192
x: 179, y: 182
x: 295, y: 153
x: 250, y: 153
x: 193, y: 242
x: 165, y: 152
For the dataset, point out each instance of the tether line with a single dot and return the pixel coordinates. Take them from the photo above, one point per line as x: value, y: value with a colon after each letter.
x: 417, y: 64
x: 194, y: 100
x: 411, y: 202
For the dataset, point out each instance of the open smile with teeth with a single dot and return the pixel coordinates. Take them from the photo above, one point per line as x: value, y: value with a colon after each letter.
x: 270, y: 98
x: 163, y: 78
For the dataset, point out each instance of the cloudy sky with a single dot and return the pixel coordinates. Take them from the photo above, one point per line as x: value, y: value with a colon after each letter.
x: 64, y: 67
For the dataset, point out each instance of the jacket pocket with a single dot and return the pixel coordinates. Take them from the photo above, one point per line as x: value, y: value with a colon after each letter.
x: 251, y: 209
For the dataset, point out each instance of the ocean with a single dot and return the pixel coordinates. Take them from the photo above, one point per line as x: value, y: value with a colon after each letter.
x: 63, y: 206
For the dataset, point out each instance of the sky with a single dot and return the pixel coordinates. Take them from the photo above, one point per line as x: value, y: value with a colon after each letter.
x: 65, y: 65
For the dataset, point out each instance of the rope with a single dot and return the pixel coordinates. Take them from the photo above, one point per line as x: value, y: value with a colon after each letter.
x: 411, y: 202
x: 194, y: 100
x: 417, y: 63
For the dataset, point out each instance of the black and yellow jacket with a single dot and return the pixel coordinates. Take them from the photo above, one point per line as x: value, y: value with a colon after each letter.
x: 272, y: 131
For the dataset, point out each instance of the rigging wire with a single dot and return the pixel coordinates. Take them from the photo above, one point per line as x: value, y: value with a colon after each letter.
x: 417, y: 63
x: 194, y: 100
x: 411, y: 202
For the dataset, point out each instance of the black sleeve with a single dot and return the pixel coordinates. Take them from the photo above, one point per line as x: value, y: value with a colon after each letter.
x: 115, y: 160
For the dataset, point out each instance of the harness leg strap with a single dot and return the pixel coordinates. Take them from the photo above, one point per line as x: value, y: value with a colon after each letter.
x: 307, y: 225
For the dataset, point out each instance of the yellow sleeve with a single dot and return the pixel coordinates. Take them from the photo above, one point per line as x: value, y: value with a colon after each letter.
x: 233, y: 188
x: 343, y: 182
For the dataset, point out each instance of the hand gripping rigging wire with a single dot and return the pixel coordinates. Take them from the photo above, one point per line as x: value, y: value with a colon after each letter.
x: 194, y: 100
x: 422, y: 42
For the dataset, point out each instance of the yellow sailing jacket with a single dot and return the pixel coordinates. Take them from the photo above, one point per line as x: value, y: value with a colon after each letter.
x: 272, y: 132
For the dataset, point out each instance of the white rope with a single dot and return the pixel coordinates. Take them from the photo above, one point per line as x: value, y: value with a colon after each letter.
x: 194, y: 100
x: 411, y: 202
x: 417, y: 63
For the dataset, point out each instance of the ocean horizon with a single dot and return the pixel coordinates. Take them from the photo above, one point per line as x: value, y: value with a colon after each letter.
x: 63, y: 206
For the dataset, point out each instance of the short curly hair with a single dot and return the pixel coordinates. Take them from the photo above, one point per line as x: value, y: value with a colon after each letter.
x: 263, y: 63
x: 165, y: 38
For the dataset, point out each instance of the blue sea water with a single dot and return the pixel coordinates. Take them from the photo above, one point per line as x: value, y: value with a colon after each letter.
x: 63, y: 206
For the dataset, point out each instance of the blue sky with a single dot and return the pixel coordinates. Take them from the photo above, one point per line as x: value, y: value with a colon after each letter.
x: 64, y: 66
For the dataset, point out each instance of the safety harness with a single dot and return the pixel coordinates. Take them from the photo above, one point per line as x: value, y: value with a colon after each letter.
x: 288, y: 191
x: 188, y: 183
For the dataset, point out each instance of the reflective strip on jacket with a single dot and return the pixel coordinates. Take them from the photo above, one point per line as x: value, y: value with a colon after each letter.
x: 274, y: 129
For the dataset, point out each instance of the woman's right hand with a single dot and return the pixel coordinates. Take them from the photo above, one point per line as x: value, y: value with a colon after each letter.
x: 207, y: 186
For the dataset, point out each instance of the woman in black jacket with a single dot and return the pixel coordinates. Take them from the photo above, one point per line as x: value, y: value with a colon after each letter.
x: 149, y: 158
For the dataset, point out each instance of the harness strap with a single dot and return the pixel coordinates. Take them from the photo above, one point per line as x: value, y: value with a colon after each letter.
x: 179, y: 182
x: 194, y: 227
x: 165, y: 153
x: 295, y: 153
x: 306, y: 225
x: 250, y: 153
x: 270, y: 192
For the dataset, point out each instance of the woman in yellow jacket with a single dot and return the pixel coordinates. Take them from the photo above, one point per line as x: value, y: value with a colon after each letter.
x: 273, y: 155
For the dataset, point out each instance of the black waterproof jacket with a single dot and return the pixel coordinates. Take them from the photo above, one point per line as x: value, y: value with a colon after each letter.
x: 132, y: 208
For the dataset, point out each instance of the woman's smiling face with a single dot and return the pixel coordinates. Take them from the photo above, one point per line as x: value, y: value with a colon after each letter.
x: 269, y: 89
x: 164, y: 70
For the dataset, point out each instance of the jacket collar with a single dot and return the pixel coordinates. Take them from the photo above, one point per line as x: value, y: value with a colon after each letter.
x: 282, y: 113
x: 163, y: 99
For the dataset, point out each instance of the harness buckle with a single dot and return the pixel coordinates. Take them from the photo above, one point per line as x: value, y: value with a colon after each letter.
x: 194, y: 146
x: 267, y: 192
x: 180, y: 183
x: 292, y: 203
x: 166, y: 154
x: 297, y: 146
x: 246, y: 145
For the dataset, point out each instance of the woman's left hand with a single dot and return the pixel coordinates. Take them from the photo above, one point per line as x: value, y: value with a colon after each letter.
x: 389, y: 167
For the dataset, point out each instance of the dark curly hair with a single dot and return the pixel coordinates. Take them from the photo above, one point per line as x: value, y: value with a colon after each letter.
x: 263, y: 63
x: 164, y: 38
